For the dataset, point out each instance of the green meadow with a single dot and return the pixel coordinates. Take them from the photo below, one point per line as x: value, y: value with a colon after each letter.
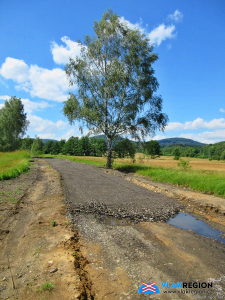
x: 12, y: 164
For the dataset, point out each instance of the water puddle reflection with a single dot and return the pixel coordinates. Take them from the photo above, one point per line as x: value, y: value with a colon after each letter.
x: 191, y: 222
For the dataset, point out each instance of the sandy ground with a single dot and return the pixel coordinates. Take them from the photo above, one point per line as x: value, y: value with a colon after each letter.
x: 33, y: 252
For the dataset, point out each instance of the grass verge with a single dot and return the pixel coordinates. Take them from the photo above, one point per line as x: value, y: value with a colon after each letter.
x: 210, y: 182
x: 12, y: 164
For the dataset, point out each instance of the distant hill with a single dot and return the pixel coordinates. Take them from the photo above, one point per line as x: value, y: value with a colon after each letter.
x: 179, y: 142
x: 169, y: 142
x: 46, y: 140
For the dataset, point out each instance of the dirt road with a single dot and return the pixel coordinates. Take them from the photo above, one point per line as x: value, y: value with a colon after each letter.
x: 122, y: 255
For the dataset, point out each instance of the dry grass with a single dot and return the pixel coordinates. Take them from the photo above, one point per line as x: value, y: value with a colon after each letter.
x: 195, y: 163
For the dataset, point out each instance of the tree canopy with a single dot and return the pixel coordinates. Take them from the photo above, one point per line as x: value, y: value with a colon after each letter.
x: 13, y: 124
x: 115, y: 83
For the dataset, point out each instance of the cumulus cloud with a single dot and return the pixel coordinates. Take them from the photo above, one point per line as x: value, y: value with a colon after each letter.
x: 44, y: 125
x: 74, y: 131
x: 1, y: 106
x: 130, y: 25
x: 5, y: 97
x: 197, y: 124
x: 48, y: 136
x: 62, y: 53
x: 39, y: 82
x: 15, y: 69
x: 177, y: 16
x: 208, y: 137
x: 157, y: 35
x: 30, y: 106
x: 161, y: 33
x: 222, y: 110
x: 46, y: 84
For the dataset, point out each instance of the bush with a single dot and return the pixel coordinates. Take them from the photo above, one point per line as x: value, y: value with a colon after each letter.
x: 176, y: 153
x: 184, y: 165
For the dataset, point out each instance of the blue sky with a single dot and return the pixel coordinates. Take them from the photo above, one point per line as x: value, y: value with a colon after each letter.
x: 37, y: 37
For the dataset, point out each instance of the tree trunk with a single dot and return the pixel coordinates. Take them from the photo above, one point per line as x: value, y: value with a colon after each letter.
x: 109, y: 155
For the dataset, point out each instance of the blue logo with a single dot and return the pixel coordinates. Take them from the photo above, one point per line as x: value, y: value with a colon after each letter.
x: 149, y: 288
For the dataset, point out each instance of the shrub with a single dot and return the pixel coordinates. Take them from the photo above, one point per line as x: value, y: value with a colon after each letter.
x: 184, y: 165
x: 176, y: 153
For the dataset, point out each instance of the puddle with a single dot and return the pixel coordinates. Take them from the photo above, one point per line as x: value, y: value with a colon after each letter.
x: 190, y: 222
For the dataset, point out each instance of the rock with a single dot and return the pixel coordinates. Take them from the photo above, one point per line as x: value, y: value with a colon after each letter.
x: 54, y: 270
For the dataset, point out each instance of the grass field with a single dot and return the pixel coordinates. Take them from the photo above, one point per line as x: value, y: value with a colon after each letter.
x: 12, y: 164
x: 204, y: 175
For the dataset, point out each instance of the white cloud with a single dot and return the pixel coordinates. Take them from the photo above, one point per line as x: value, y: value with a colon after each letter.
x: 30, y: 106
x: 197, y: 124
x: 158, y: 137
x: 222, y: 110
x: 74, y: 132
x: 208, y: 137
x: 133, y: 26
x: 44, y: 125
x: 157, y: 35
x: 39, y: 82
x: 177, y: 16
x: 48, y: 136
x: 161, y: 33
x: 5, y: 97
x: 1, y: 106
x: 15, y: 69
x: 46, y: 84
x: 61, y: 53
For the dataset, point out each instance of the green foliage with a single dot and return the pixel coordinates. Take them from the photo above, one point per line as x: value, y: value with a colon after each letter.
x: 54, y: 223
x: 71, y: 147
x: 26, y: 143
x: 222, y: 157
x: 97, y: 146
x: 176, y: 153
x: 184, y: 165
x: 13, y: 124
x: 152, y: 148
x: 115, y: 81
x: 213, y: 151
x: 48, y: 286
x: 124, y: 148
x: 37, y: 147
x: 13, y: 164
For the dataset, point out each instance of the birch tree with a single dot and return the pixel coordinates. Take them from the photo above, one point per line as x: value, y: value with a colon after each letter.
x: 115, y: 82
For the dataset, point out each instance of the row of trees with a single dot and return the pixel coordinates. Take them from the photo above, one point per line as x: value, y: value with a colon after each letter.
x: 215, y: 151
x: 90, y: 146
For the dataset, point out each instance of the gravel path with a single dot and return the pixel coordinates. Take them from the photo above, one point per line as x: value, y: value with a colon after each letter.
x: 89, y: 189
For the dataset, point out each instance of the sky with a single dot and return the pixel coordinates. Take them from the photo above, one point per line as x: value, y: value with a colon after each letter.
x: 38, y: 37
